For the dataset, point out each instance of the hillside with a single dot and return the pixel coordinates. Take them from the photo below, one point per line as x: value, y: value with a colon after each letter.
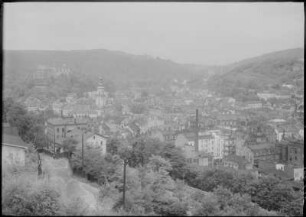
x: 261, y: 73
x: 119, y: 67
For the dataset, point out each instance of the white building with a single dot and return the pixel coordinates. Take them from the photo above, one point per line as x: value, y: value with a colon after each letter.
x: 100, y: 96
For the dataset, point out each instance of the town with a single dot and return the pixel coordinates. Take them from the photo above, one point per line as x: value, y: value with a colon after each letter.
x: 218, y: 131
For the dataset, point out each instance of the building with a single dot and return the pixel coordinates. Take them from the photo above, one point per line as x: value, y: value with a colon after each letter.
x: 245, y: 152
x: 100, y: 96
x: 71, y: 97
x: 298, y: 174
x: 32, y: 104
x: 13, y: 150
x: 89, y: 139
x: 263, y: 152
x: 236, y: 162
x: 210, y: 143
x: 57, y: 128
x: 253, y: 105
x: 291, y: 152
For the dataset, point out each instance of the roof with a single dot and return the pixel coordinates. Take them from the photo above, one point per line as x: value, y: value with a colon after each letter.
x: 206, y: 137
x: 237, y: 159
x: 261, y: 146
x: 16, y: 146
x: 66, y: 121
x: 13, y: 140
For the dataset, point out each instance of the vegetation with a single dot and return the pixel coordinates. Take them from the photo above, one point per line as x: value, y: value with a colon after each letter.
x: 259, y: 74
x: 30, y: 126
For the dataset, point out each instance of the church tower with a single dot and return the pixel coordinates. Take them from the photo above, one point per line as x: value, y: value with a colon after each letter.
x: 100, y: 97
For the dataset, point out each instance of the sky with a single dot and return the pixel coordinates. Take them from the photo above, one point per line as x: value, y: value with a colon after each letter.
x: 198, y: 33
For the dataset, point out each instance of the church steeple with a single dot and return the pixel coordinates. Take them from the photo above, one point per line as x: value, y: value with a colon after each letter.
x: 100, y: 86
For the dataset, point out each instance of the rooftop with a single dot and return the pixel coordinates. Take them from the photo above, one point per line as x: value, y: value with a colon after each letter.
x: 13, y: 140
x: 261, y: 146
x: 66, y: 121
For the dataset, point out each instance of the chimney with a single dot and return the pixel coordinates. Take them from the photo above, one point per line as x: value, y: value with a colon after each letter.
x: 197, y: 132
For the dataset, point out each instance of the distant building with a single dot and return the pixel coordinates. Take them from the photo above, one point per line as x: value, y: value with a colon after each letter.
x: 263, y: 152
x: 298, y: 174
x: 100, y: 96
x: 236, y: 162
x: 291, y: 152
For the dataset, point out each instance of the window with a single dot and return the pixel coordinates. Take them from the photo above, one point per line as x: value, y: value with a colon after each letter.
x: 57, y: 130
x: 101, y: 143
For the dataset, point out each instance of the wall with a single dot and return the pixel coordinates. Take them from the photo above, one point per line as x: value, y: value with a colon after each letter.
x: 12, y: 155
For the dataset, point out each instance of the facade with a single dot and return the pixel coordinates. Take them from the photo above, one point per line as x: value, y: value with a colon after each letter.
x: 100, y: 96
x: 90, y: 140
x: 236, y: 162
x: 263, y: 152
x: 298, y: 174
x: 32, y: 104
x: 291, y: 152
x: 13, y: 155
x: 57, y: 128
x: 13, y: 150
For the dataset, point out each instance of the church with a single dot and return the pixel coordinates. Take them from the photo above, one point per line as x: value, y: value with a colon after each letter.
x: 100, y: 96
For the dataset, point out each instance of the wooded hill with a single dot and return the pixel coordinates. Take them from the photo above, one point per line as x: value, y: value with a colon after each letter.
x: 260, y: 73
x: 119, y: 67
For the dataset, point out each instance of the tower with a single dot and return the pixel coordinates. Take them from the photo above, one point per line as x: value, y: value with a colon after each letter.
x: 100, y: 97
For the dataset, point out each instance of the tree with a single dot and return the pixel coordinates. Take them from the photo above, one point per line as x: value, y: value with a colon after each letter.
x: 176, y: 158
x: 69, y: 145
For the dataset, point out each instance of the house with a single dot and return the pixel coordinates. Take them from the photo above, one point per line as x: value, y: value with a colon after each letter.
x: 286, y: 131
x: 253, y: 105
x: 13, y: 150
x: 32, y: 104
x: 71, y: 97
x: 89, y: 139
x: 57, y: 128
x: 245, y: 152
x: 236, y: 162
x: 78, y: 111
x: 291, y: 152
x: 210, y: 143
x: 263, y: 152
x: 57, y: 107
x: 298, y: 174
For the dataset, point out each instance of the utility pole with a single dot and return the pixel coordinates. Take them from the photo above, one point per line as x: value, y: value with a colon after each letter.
x: 54, y: 145
x: 83, y: 153
x: 124, y: 181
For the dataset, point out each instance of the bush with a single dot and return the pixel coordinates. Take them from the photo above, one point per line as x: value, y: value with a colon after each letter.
x: 22, y: 195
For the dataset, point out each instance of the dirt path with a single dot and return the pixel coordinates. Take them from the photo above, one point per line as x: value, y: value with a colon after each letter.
x: 58, y: 171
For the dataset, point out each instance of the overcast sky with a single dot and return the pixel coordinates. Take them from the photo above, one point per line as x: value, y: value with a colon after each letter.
x: 202, y: 33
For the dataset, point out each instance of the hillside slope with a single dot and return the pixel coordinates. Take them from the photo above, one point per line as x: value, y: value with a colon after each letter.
x: 112, y: 65
x: 260, y: 73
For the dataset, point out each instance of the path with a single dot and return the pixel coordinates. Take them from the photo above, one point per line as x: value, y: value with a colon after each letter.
x: 60, y: 172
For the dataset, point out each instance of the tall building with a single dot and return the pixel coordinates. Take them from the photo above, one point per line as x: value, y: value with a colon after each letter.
x: 101, y: 96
